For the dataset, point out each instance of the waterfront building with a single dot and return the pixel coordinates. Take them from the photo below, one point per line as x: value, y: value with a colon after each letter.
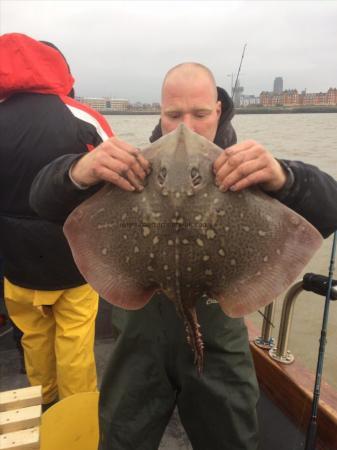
x: 278, y: 85
x: 145, y: 107
x: 308, y: 98
x: 331, y: 96
x: 266, y: 98
x: 291, y: 97
x: 105, y: 103
x: 247, y: 100
x: 117, y: 104
x: 96, y: 103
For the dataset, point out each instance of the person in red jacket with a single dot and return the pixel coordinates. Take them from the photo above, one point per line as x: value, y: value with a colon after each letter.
x: 45, y: 295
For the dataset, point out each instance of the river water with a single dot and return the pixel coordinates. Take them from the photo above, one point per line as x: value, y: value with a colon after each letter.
x: 311, y: 138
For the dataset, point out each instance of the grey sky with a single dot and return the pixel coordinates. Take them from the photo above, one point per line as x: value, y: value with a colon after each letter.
x: 123, y: 49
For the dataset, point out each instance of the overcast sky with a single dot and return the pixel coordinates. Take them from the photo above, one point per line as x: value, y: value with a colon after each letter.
x: 123, y: 49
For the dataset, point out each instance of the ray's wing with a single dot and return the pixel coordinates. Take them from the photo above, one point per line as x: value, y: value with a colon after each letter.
x: 114, y: 259
x: 101, y: 254
x: 270, y: 247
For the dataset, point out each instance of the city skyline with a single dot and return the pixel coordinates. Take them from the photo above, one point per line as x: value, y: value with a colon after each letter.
x: 243, y: 93
x: 123, y: 49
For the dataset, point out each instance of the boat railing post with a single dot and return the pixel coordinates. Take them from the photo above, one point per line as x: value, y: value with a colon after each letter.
x: 266, y: 340
x: 280, y: 352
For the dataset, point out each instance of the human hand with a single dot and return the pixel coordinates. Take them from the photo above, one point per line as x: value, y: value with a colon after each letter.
x: 247, y: 164
x: 114, y: 161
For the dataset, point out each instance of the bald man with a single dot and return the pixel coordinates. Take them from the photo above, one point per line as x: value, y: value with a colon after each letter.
x: 151, y: 369
x: 189, y: 95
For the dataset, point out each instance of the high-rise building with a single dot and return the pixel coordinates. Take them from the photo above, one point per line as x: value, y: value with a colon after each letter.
x: 278, y: 85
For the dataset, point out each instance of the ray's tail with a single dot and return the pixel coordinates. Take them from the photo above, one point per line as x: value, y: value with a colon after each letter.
x: 194, y: 337
x: 189, y: 315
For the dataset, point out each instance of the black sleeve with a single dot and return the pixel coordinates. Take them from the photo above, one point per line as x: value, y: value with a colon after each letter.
x: 53, y: 196
x: 313, y: 195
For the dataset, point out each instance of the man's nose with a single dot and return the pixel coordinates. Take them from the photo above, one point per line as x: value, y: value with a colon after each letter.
x: 188, y: 121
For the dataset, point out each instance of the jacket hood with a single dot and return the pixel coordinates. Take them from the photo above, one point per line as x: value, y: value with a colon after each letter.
x: 225, y: 135
x: 28, y: 65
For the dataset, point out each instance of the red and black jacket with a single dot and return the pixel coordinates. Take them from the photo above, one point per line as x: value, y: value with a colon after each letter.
x: 38, y: 123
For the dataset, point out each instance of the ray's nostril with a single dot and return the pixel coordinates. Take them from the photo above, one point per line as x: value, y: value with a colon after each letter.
x: 194, y: 172
x: 195, y: 176
x: 162, y: 175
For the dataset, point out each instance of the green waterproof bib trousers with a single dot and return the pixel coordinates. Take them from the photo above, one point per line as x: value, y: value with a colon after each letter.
x: 151, y: 371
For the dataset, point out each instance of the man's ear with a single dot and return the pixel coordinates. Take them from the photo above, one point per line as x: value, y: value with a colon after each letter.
x: 218, y: 109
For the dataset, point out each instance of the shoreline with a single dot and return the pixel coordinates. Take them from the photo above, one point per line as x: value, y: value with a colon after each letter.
x: 287, y: 110
x: 249, y: 110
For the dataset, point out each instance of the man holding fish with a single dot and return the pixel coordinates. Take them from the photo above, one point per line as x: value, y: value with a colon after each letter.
x: 151, y: 369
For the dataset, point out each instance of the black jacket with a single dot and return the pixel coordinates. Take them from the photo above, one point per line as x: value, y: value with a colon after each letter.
x: 35, y: 129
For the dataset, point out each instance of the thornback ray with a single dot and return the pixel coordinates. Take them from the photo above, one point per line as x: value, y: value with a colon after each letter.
x: 183, y: 236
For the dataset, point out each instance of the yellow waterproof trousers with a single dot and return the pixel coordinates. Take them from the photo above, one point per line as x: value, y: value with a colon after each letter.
x: 58, y: 337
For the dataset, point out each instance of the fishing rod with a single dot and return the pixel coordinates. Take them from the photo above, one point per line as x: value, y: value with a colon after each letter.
x: 312, y: 428
x: 233, y: 91
x: 237, y: 76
